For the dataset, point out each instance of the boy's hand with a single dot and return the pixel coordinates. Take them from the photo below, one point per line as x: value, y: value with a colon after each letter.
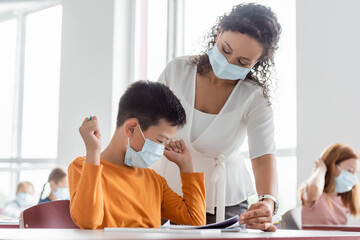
x: 177, y: 152
x: 90, y: 133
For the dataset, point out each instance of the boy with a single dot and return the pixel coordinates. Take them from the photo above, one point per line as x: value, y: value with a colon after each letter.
x: 115, y: 188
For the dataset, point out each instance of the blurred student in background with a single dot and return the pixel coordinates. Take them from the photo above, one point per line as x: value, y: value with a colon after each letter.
x: 331, y: 193
x: 24, y: 199
x: 58, y: 185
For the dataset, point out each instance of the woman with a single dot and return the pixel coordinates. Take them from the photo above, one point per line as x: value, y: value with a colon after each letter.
x: 58, y: 185
x: 332, y: 190
x: 225, y: 93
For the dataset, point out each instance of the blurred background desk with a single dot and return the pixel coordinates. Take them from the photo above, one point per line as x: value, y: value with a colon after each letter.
x: 331, y: 228
x: 9, y: 223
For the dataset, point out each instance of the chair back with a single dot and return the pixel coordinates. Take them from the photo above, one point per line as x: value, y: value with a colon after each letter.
x: 292, y: 219
x: 53, y: 214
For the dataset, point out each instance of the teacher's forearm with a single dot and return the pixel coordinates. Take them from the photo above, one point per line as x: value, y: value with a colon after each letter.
x: 265, y: 173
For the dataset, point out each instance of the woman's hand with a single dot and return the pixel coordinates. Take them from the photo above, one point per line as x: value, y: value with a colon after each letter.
x: 315, y: 185
x: 259, y: 216
x: 320, y: 164
x: 91, y: 136
x: 177, y: 152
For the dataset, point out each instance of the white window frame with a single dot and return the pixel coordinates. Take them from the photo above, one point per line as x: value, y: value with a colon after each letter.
x: 16, y: 161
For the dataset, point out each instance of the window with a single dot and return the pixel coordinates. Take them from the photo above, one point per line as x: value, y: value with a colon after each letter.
x: 7, y: 84
x: 41, y: 84
x: 30, y: 66
x: 150, y: 39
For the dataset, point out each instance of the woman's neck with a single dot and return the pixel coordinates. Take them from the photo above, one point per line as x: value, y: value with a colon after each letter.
x: 218, y: 81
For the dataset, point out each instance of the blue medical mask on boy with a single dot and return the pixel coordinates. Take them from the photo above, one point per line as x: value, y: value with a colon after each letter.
x: 344, y: 182
x: 61, y: 193
x: 151, y: 153
x: 223, y: 69
x: 24, y: 199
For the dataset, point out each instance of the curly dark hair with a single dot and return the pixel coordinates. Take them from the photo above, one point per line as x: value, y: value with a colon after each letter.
x: 260, y: 23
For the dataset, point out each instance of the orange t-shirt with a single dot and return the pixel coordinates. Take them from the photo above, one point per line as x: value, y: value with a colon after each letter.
x: 111, y: 195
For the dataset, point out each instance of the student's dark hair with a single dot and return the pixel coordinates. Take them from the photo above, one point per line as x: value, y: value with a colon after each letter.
x: 56, y: 175
x: 150, y: 102
x: 256, y: 21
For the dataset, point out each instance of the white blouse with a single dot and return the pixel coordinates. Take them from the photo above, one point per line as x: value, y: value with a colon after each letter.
x: 200, y: 122
x: 216, y: 150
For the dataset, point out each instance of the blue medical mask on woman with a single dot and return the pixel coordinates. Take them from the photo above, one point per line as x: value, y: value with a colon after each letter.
x: 61, y: 193
x: 151, y: 153
x: 344, y: 182
x: 223, y: 69
x: 24, y: 199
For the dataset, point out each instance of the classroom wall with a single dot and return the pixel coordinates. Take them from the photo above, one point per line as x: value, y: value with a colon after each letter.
x: 96, y: 68
x: 327, y: 80
x: 86, y: 73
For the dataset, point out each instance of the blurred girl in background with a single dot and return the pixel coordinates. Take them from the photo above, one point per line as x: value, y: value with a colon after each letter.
x: 331, y: 193
x: 58, y: 185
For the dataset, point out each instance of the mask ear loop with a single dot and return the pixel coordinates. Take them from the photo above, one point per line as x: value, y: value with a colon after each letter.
x: 337, y: 166
x: 142, y: 132
x: 222, y: 30
x: 341, y: 170
x: 218, y: 38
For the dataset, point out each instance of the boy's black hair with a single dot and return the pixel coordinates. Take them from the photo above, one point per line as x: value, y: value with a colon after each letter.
x: 149, y: 102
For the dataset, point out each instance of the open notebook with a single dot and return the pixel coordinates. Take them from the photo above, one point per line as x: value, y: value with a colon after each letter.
x: 228, y: 223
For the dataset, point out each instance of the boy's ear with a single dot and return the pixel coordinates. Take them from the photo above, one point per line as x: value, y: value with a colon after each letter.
x: 130, y: 125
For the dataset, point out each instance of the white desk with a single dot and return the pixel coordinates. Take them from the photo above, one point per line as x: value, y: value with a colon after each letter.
x: 65, y: 234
